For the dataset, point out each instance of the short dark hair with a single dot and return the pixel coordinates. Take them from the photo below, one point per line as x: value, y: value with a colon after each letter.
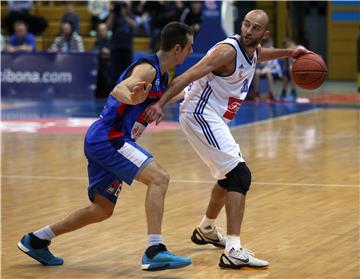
x: 175, y: 33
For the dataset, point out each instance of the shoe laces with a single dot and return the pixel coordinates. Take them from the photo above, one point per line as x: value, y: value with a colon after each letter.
x: 239, y: 253
x: 248, y: 252
x: 242, y: 252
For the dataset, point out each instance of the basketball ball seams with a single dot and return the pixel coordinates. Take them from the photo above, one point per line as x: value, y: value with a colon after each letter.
x: 309, y: 71
x: 322, y: 64
x: 323, y: 76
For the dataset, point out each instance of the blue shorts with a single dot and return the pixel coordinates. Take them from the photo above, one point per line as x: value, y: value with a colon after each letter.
x: 110, y: 164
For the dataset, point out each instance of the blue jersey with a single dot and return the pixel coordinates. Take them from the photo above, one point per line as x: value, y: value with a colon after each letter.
x: 119, y: 122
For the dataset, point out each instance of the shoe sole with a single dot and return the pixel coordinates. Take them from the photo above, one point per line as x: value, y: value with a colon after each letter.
x: 27, y: 251
x: 162, y: 266
x: 233, y: 266
x: 203, y: 241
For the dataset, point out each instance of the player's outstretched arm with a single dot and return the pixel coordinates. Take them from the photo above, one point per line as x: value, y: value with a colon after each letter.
x: 221, y: 55
x: 135, y: 89
x: 266, y: 54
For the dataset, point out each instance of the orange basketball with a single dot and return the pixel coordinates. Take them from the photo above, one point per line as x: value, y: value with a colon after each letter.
x: 309, y: 71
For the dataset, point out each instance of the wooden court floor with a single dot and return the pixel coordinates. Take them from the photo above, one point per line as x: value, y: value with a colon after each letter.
x: 302, y: 212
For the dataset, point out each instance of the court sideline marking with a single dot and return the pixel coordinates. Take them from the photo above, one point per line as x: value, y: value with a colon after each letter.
x: 188, y: 181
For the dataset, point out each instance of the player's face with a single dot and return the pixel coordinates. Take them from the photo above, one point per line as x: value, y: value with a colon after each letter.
x: 253, y: 30
x: 186, y: 50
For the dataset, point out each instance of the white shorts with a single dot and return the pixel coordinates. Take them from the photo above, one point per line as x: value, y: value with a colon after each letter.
x: 212, y: 141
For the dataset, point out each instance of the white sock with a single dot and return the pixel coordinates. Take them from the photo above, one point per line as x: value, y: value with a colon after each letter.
x: 45, y: 233
x: 207, y: 224
x: 232, y: 241
x: 154, y: 239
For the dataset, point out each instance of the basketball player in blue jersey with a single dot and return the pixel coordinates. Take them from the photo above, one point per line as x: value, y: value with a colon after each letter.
x: 114, y: 157
x: 216, y: 88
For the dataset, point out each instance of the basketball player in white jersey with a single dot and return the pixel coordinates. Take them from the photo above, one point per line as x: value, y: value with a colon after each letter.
x: 216, y: 87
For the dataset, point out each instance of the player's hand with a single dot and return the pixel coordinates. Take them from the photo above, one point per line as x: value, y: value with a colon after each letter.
x: 140, y: 92
x: 154, y: 113
x: 299, y: 51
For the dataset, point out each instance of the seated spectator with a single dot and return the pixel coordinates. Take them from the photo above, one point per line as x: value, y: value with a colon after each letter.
x: 287, y: 43
x: 22, y: 40
x: 68, y: 40
x: 19, y: 11
x: 104, y: 79
x: 72, y: 17
x: 99, y: 10
x: 192, y: 15
x: 269, y: 69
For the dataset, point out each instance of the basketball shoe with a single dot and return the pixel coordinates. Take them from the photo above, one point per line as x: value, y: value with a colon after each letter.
x: 242, y: 257
x: 215, y: 237
x: 41, y: 254
x: 157, y: 257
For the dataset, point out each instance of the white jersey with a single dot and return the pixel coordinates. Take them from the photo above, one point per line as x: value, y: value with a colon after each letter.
x: 222, y: 94
x: 209, y: 104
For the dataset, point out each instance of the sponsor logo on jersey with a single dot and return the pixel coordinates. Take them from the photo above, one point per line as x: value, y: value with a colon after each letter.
x: 232, y: 108
x: 137, y: 130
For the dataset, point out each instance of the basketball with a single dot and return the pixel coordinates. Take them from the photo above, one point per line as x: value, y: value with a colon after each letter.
x: 309, y: 71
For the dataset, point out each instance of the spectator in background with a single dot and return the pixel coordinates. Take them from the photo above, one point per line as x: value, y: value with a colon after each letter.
x: 19, y: 11
x: 142, y: 17
x: 72, y: 17
x: 2, y: 43
x: 99, y: 10
x: 192, y: 15
x: 122, y: 24
x: 163, y: 12
x: 68, y: 40
x: 268, y: 69
x: 22, y: 40
x: 102, y: 45
x: 287, y: 43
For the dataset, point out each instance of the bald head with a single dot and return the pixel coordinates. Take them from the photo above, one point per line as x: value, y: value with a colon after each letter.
x: 254, y: 28
x: 258, y: 16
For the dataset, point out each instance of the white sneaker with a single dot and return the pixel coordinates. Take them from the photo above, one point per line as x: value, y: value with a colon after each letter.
x: 240, y: 258
x: 215, y: 237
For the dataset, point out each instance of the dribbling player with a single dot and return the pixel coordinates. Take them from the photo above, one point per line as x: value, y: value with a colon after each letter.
x: 216, y: 87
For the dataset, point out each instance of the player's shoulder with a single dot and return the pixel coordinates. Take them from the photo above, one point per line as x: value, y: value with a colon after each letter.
x: 145, y: 66
x: 224, y: 51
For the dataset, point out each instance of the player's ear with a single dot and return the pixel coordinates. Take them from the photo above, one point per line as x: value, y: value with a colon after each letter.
x: 267, y: 34
x: 178, y: 48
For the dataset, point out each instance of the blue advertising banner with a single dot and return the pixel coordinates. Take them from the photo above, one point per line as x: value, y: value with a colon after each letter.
x: 49, y: 75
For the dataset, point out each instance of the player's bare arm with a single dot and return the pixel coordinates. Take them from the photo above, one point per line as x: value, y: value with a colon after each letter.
x: 177, y: 98
x: 219, y: 61
x: 266, y: 54
x: 136, y: 87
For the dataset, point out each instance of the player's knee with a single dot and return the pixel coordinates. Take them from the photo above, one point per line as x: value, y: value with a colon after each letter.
x: 237, y: 180
x: 101, y: 214
x: 161, y: 179
x: 105, y: 214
